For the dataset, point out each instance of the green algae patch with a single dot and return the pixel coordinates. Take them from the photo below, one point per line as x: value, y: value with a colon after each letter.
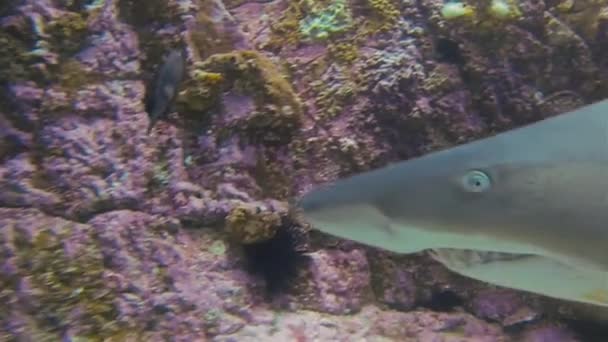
x: 334, y: 84
x: 277, y: 107
x: 286, y: 30
x: 386, y: 12
x: 68, y: 33
x: 201, y: 91
x: 344, y: 53
x: 16, y: 60
x: 72, y: 75
x: 585, y: 17
x: 13, y: 61
x: 333, y: 99
x: 205, y: 35
x: 67, y: 286
x: 29, y: 48
x: 257, y: 74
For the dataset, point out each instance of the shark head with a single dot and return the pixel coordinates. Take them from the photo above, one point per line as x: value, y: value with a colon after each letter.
x: 456, y: 192
x: 538, y: 190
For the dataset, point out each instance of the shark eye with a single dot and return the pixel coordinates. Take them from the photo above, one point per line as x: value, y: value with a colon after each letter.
x: 476, y: 181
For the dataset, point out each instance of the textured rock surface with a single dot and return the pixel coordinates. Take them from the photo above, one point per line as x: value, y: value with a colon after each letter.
x: 106, y: 232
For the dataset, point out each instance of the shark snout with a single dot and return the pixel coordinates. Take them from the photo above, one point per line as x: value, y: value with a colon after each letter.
x: 309, y: 203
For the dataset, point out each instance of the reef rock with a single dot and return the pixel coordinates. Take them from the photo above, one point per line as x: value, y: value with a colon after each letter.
x: 107, y: 232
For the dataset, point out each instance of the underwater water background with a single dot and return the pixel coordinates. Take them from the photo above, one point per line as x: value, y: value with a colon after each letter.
x: 151, y: 152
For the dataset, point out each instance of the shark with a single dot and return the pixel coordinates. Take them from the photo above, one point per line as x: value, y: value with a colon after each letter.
x: 525, y: 209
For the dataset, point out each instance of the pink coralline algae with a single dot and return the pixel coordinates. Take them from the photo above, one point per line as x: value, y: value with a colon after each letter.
x: 110, y: 234
x: 341, y: 281
x: 82, y: 162
x: 18, y: 181
x: 502, y: 306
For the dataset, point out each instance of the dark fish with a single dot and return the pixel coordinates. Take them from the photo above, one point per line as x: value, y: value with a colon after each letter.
x: 165, y: 86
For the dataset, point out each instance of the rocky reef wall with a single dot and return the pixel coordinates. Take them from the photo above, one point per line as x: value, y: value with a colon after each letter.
x: 186, y: 233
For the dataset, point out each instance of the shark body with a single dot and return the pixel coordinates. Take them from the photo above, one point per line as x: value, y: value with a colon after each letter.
x: 537, y: 195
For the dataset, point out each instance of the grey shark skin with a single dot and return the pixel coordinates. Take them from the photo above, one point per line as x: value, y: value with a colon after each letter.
x: 166, y: 86
x: 539, y: 190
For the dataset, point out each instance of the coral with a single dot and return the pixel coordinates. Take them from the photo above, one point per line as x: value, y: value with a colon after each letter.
x: 335, y: 89
x: 390, y: 81
x: 251, y: 224
x: 386, y: 10
x: 343, y: 52
x: 332, y: 80
x: 442, y: 78
x: 286, y: 30
x: 323, y: 21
